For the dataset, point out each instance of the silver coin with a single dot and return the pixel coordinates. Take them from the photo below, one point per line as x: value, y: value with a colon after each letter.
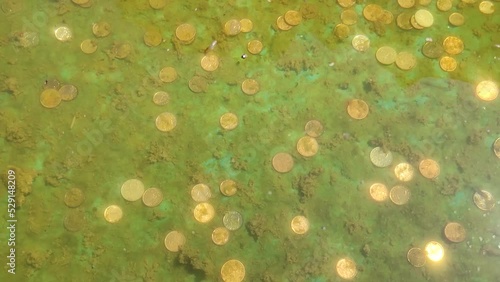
x: 380, y: 158
x: 232, y: 220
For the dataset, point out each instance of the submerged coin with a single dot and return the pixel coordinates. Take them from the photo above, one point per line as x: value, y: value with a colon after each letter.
x: 254, y: 47
x: 380, y: 157
x: 74, y: 197
x: 454, y: 232
x: 448, y: 63
x: 165, y: 122
x: 406, y: 3
x: 228, y: 187
x: 429, y: 168
x: 399, y: 195
x: 424, y: 18
x: 174, y: 241
x: 432, y: 50
x: 232, y: 271
x: 246, y: 25
x: 88, y: 46
x: 50, y: 98
x: 161, y: 98
x: 210, y: 62
x: 487, y: 90
x: 168, y: 74
x: 204, y: 212
x: 132, y: 190
x: 185, y: 33
x: 63, y: 33
x: 456, y: 19
x: 68, y: 92
x: 101, y: 29
x: 361, y: 43
x: 232, y: 27
x: 434, y: 251
x: 299, y: 224
x: 198, y: 84
x: 201, y: 192
x: 113, y: 214
x: 357, y: 109
x: 152, y: 37
x: 228, y: 121
x: 405, y: 61
x: 220, y: 236
x: 341, y: 31
x: 74, y: 220
x: 157, y: 4
x: 386, y: 55
x: 282, y: 162
x: 487, y: 7
x: 313, y: 128
x: 404, y: 172
x: 444, y: 5
x: 346, y: 268
x: 293, y: 17
x: 453, y: 45
x: 484, y: 200
x: 121, y: 50
x: 371, y: 12
x: 496, y: 147
x: 232, y: 220
x: 349, y: 17
x: 282, y: 25
x: 250, y: 86
x: 152, y: 197
x: 307, y: 146
x: 379, y: 192
x: 416, y: 257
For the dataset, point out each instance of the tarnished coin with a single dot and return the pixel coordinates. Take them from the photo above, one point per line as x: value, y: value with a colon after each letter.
x: 432, y: 50
x: 51, y: 83
x: 496, y: 147
x: 456, y: 19
x: 454, y: 232
x: 281, y: 24
x: 403, y: 20
x: 232, y: 220
x: 132, y: 190
x: 113, y: 214
x: 201, y: 192
x: 161, y: 98
x: 346, y: 268
x: 165, y: 122
x: 152, y: 197
x: 444, y: 5
x: 299, y: 224
x: 341, y: 31
x: 380, y: 157
x: 406, y: 3
x: 379, y: 192
x: 282, y: 162
x: 74, y: 197
x: 349, y: 17
x: 314, y: 128
x: 74, y: 221
x: 210, y: 62
x: 198, y: 84
x: 250, y: 86
x: 371, y: 12
x: 121, y: 50
x: 228, y: 187
x: 50, y: 98
x: 361, y: 43
x: 386, y: 55
x: 228, y: 121
x: 404, y: 172
x: 484, y: 200
x: 399, y: 195
x: 405, y: 60
x: 246, y: 25
x: 293, y: 17
x: 157, y: 4
x: 346, y: 3
x: 429, y: 168
x: 204, y: 212
x: 186, y: 33
x: 232, y: 27
x: 487, y: 90
x: 220, y: 236
x: 101, y: 29
x: 68, y: 92
x: 254, y: 46
x: 88, y: 46
x: 416, y: 257
x: 434, y: 251
x: 357, y: 109
x: 307, y: 146
x: 174, y: 241
x: 232, y: 271
x: 168, y: 74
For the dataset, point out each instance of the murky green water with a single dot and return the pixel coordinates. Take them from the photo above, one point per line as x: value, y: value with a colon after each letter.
x: 107, y: 135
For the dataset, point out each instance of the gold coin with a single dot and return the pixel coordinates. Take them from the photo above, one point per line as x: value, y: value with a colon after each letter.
x: 185, y: 33
x: 496, y: 147
x: 300, y: 224
x: 487, y: 90
x: 161, y: 98
x: 371, y: 12
x: 68, y: 92
x: 122, y: 51
x: 346, y: 3
x: 444, y: 5
x: 293, y: 17
x: 157, y: 4
x: 453, y: 45
x: 165, y: 122
x: 386, y: 17
x: 361, y: 43
x: 232, y: 220
x: 228, y: 121
x: 152, y: 37
x: 250, y: 86
x: 487, y: 7
x: 341, y: 31
x: 210, y: 62
x: 414, y: 23
x: 246, y: 25
x: 113, y: 214
x: 220, y: 236
x: 232, y: 271
x: 416, y: 257
x: 454, y: 232
x: 424, y: 18
x: 484, y: 200
x: 87, y: 4
x: 152, y: 197
x: 379, y: 192
x: 399, y: 195
x: 198, y: 84
x: 403, y: 20
x: 74, y: 197
x: 228, y: 187
x: 406, y: 3
x: 448, y: 63
x: 204, y: 212
x: 349, y: 17
x: 88, y: 46
x: 307, y: 146
x: 456, y: 19
x: 380, y: 157
x: 50, y: 98
x: 80, y: 2
x: 282, y: 25
x: 201, y: 192
x: 101, y: 29
x: 432, y: 50
x: 232, y: 27
x: 404, y: 172
x: 429, y: 168
x: 174, y: 241
x: 282, y: 162
x: 254, y: 46
x: 346, y: 268
x: 434, y: 251
x: 132, y: 190
x: 168, y: 74
x: 313, y: 128
x: 405, y: 61
x: 357, y: 109
x: 63, y: 33
x: 74, y: 221
x: 386, y: 55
